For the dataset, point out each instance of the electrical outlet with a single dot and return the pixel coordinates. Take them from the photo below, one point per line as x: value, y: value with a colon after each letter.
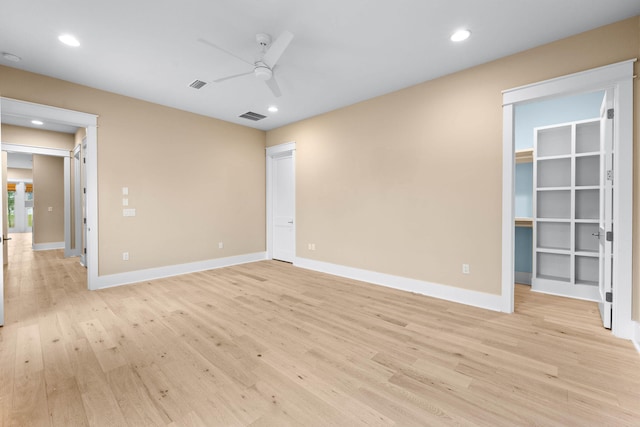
x: 466, y: 269
x: 125, y: 256
x: 125, y: 202
x: 313, y: 246
x: 220, y: 245
x: 50, y: 209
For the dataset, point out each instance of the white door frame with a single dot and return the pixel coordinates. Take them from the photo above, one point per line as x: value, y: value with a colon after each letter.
x: 77, y: 208
x: 272, y: 152
x: 618, y: 77
x: 47, y: 113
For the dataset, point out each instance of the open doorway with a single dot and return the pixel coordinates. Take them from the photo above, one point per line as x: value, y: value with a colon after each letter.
x: 20, y: 192
x: 41, y: 188
x: 11, y: 109
x: 540, y: 118
x: 617, y: 80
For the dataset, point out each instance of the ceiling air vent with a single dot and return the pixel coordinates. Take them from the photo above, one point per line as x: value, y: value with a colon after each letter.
x: 252, y: 116
x: 197, y: 84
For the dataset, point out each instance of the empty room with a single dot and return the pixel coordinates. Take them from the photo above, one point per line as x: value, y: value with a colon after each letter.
x: 285, y: 213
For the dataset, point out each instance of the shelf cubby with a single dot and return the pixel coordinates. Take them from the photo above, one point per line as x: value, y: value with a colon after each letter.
x: 587, y: 204
x: 554, y: 204
x: 587, y: 270
x: 585, y: 241
x: 588, y: 137
x: 588, y: 171
x: 554, y: 235
x: 553, y: 266
x: 555, y: 141
x: 554, y: 173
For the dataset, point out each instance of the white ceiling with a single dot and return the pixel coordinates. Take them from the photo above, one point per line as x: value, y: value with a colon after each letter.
x: 20, y: 160
x: 344, y: 51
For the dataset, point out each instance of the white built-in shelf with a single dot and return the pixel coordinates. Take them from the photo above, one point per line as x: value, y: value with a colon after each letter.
x: 588, y: 254
x: 566, y: 208
x: 587, y: 221
x: 524, y: 156
x: 553, y: 278
x: 524, y: 222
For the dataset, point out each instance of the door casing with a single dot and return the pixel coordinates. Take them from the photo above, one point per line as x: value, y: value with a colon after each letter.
x: 619, y: 78
x: 78, y: 119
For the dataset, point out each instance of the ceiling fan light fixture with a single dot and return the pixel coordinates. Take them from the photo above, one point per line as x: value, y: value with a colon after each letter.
x: 460, y: 35
x: 263, y: 72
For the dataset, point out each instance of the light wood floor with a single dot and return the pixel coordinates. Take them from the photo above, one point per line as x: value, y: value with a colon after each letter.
x: 267, y: 344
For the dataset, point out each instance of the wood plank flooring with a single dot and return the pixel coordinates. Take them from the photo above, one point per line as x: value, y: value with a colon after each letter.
x: 267, y: 344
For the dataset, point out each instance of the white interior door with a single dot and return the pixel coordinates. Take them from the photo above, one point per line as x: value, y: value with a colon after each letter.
x: 605, y: 229
x: 283, y: 208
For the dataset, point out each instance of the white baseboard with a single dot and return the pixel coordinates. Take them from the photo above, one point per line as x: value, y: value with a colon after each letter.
x: 112, y: 280
x: 523, y: 278
x: 48, y: 246
x: 445, y: 292
x: 636, y: 335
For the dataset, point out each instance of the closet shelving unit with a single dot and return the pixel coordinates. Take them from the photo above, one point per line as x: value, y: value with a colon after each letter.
x: 566, y: 206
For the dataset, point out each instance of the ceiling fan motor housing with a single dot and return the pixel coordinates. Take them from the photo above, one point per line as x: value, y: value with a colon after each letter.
x: 262, y: 71
x: 263, y: 40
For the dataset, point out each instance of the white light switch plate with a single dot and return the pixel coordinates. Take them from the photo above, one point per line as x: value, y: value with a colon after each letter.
x: 128, y: 212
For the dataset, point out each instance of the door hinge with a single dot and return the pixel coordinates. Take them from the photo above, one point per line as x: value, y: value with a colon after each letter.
x: 84, y: 160
x: 85, y: 251
x: 610, y: 113
x: 84, y: 190
x: 85, y: 220
x: 608, y: 297
x: 609, y: 236
x: 609, y: 175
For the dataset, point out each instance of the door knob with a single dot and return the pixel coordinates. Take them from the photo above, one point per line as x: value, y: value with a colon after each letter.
x: 290, y: 222
x: 596, y: 235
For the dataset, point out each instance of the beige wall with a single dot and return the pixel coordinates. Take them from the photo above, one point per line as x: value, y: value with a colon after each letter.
x: 36, y: 137
x: 19, y: 174
x: 410, y: 183
x: 48, y: 192
x: 193, y: 180
x: 406, y: 184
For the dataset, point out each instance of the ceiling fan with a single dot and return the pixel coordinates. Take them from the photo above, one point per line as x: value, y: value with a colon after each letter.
x: 264, y: 65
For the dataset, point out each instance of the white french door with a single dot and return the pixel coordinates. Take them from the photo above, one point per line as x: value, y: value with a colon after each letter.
x: 605, y: 228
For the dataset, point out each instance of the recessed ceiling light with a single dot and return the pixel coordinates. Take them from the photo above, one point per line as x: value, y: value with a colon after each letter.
x: 37, y: 122
x: 460, y: 35
x: 11, y: 57
x: 273, y: 109
x: 69, y: 40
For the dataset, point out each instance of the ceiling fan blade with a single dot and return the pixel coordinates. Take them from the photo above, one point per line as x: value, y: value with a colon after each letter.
x: 273, y: 85
x: 215, y: 46
x: 277, y: 48
x: 233, y: 76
